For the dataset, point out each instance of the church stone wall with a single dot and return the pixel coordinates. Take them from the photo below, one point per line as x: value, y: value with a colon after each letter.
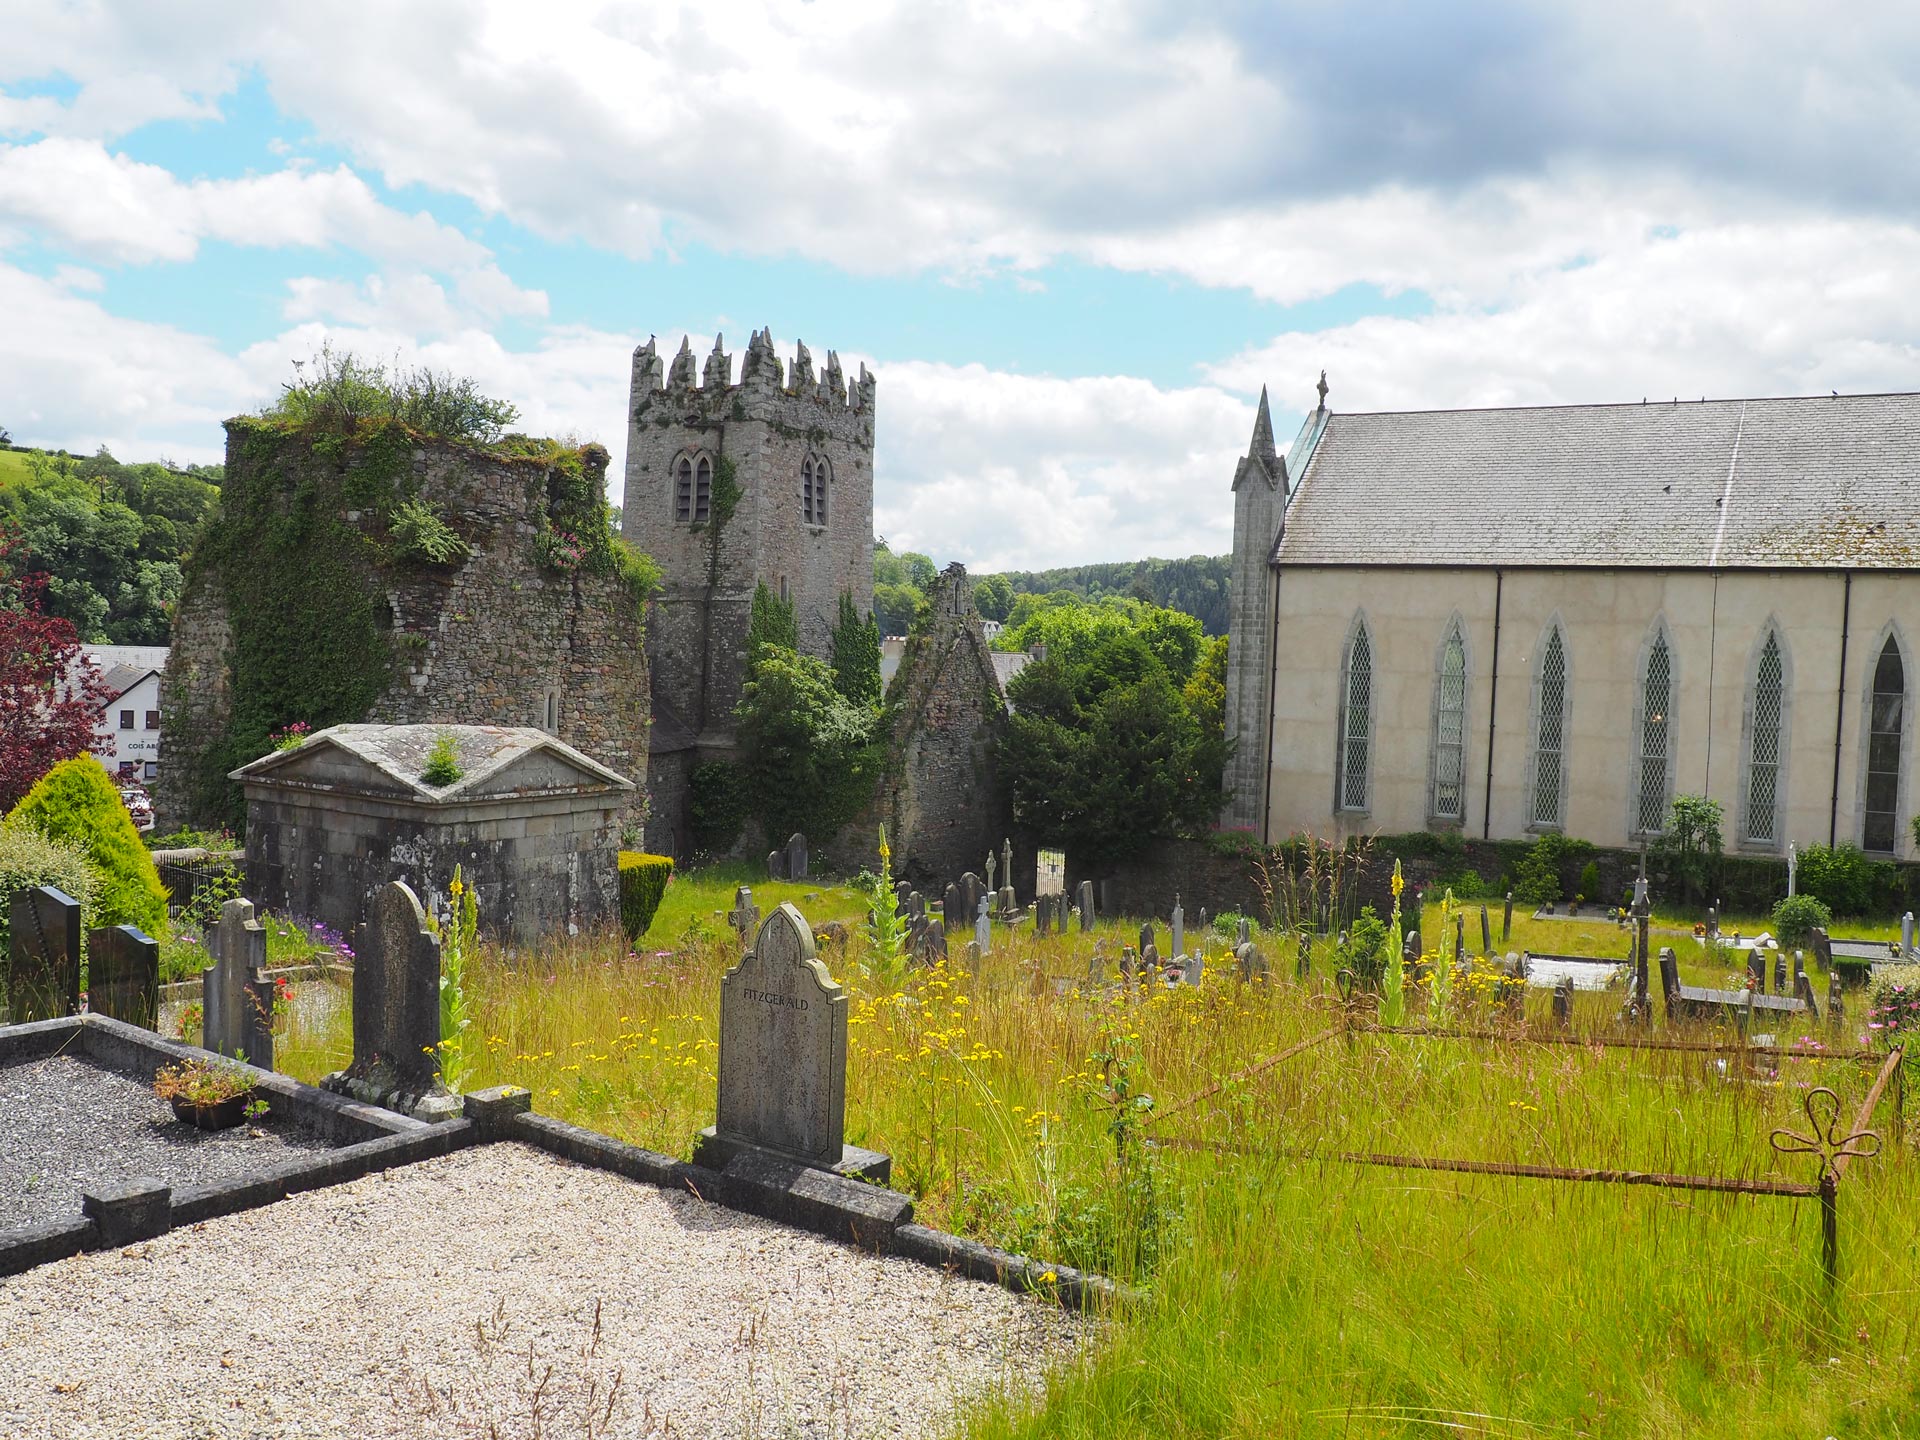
x: 1714, y: 624
x: 496, y: 639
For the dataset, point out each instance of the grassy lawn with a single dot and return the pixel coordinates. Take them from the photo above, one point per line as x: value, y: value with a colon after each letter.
x: 1287, y: 1294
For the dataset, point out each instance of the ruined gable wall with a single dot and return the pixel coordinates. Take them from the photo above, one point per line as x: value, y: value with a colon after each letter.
x: 941, y: 796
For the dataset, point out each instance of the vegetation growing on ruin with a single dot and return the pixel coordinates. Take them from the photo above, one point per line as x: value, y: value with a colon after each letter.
x: 294, y: 542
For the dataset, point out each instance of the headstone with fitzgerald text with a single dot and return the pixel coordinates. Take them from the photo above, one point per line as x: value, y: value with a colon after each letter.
x: 783, y: 1058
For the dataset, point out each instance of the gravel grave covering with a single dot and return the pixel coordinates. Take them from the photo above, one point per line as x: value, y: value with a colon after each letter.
x: 66, y: 1124
x: 501, y: 1291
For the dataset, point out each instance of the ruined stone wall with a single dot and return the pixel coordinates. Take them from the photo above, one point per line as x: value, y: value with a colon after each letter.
x: 763, y: 429
x: 503, y: 636
x: 941, y: 796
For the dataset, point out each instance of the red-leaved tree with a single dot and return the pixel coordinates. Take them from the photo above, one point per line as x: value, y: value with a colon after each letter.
x: 50, y: 695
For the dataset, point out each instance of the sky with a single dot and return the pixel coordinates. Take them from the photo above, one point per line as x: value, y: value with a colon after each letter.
x: 1072, y: 240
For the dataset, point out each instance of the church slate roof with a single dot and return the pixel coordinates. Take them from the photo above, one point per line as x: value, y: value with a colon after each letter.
x: 1781, y: 483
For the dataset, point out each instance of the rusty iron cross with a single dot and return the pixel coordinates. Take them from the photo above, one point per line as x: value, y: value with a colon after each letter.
x: 1826, y: 1140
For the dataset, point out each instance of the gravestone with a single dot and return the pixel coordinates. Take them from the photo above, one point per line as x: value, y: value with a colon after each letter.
x: 1506, y: 920
x: 776, y: 864
x: 1179, y: 926
x: 1243, y: 934
x: 1836, y: 1006
x: 1050, y: 872
x: 1563, y: 1003
x: 982, y: 928
x: 1006, y: 864
x: 123, y: 975
x: 1146, y: 936
x: 901, y: 890
x: 744, y: 916
x: 1823, y: 949
x: 1097, y: 964
x: 43, y: 955
x: 1151, y: 972
x: 1803, y: 986
x: 1906, y: 936
x: 1779, y: 972
x: 783, y: 1059
x: 1006, y: 903
x: 1128, y: 965
x: 952, y: 908
x: 1303, y: 965
x: 1253, y: 965
x: 1713, y: 923
x: 974, y: 952
x: 992, y: 869
x: 1459, y: 935
x: 1203, y: 924
x: 1757, y: 970
x: 970, y: 891
x: 236, y: 999
x: 1410, y: 948
x: 1086, y: 906
x: 396, y: 1011
x: 1486, y: 931
x: 796, y: 856
x: 1043, y: 915
x: 1190, y: 969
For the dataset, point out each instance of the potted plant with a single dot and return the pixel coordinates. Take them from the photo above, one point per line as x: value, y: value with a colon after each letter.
x: 208, y: 1094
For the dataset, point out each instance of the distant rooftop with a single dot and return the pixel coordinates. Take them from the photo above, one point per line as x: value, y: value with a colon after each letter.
x: 1828, y: 481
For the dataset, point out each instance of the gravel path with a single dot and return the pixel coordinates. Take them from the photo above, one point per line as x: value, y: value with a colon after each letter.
x: 501, y: 1291
x: 66, y: 1124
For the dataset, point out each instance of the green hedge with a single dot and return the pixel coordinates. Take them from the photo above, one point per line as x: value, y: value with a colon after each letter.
x: 643, y: 880
x: 28, y: 858
x: 77, y: 803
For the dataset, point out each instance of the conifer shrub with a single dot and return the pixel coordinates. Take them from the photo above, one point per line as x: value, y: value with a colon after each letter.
x: 1794, y: 919
x: 28, y: 858
x: 76, y: 803
x: 643, y: 881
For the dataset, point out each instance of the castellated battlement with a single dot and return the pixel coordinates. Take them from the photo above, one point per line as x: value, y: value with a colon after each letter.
x: 686, y: 391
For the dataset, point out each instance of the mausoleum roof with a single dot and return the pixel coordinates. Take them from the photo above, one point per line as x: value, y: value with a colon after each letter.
x: 495, y: 761
x: 1820, y: 482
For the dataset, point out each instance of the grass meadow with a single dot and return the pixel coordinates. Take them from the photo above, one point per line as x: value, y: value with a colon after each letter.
x: 1284, y: 1292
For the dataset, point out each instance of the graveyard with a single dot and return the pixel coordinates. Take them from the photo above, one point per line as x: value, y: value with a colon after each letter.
x: 1079, y: 1173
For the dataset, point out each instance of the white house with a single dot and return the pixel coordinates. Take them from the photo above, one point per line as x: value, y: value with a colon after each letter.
x: 129, y: 722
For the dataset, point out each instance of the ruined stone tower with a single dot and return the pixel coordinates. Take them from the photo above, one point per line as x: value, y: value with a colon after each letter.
x: 729, y: 485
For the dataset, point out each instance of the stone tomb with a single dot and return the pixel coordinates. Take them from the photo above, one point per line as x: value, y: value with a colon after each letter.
x: 396, y: 1012
x: 43, y: 955
x: 533, y: 824
x: 783, y: 1059
x: 123, y: 975
x: 236, y: 998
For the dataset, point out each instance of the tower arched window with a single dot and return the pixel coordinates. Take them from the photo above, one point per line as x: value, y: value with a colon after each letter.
x: 1886, y: 744
x: 1354, y: 761
x: 1653, y: 737
x: 1447, y: 799
x: 1546, y: 804
x: 1766, y: 743
x: 815, y: 471
x: 693, y: 489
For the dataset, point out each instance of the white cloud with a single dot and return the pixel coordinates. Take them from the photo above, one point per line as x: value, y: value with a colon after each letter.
x: 1738, y: 309
x: 1015, y: 472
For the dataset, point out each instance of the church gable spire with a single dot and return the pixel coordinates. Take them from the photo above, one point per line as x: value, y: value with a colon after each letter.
x: 1262, y: 458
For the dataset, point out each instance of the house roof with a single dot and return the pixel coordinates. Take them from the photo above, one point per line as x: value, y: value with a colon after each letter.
x: 1817, y: 482
x: 494, y: 760
x: 122, y: 678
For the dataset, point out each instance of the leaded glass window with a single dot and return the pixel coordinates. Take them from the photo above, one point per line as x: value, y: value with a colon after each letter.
x: 1656, y: 724
x: 1763, y: 746
x: 1450, y: 729
x: 1356, y: 722
x: 683, y: 488
x: 702, y: 490
x: 1550, y: 735
x: 1886, y: 731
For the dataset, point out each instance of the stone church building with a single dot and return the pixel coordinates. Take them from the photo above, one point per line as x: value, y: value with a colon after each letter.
x: 730, y: 485
x: 1509, y: 622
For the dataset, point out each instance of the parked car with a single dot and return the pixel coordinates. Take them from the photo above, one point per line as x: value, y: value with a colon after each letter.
x: 138, y: 806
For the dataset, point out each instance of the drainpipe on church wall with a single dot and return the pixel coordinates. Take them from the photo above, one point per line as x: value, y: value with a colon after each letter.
x: 1493, y: 702
x: 1839, y: 712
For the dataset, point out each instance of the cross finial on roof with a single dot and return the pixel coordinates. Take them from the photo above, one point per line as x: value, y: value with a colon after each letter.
x: 1322, y: 388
